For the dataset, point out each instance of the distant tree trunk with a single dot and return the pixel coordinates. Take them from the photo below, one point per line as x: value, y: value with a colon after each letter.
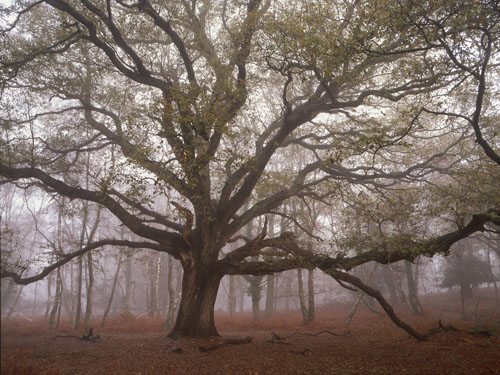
x: 157, y: 286
x: 269, y: 310
x: 310, y: 296
x: 149, y: 289
x: 79, y: 292
x: 90, y: 265
x: 171, y: 293
x: 404, y: 296
x: 242, y: 299
x: 72, y: 291
x: 254, y: 287
x: 57, y: 299
x: 79, y: 285
x: 90, y: 289
x: 5, y: 296
x: 49, y: 296
x: 303, y: 307
x: 34, y: 300
x: 270, y: 279
x: 412, y: 289
x: 58, y: 319
x: 128, y: 285
x: 492, y: 275
x: 288, y: 291
x: 113, y: 287
x: 360, y: 294
x: 232, y: 295
x: 255, y: 294
x: 389, y: 282
x: 16, y: 300
x: 354, y: 308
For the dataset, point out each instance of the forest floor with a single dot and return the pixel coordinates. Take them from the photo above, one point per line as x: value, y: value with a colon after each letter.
x: 370, y: 345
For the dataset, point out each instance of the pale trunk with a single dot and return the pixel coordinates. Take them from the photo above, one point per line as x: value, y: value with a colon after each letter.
x: 302, y: 300
x: 34, y: 300
x: 157, y: 286
x: 57, y: 299
x: 270, y: 279
x: 49, y: 296
x: 171, y: 293
x: 16, y: 300
x: 79, y: 292
x: 412, y: 289
x: 90, y: 289
x: 90, y: 265
x: 110, y: 301
x: 128, y: 285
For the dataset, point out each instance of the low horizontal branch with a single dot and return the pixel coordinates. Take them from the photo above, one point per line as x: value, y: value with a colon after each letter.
x: 65, y: 258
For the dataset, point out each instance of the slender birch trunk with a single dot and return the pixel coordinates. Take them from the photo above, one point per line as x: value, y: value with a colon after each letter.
x: 157, y: 286
x: 171, y: 293
x: 57, y: 299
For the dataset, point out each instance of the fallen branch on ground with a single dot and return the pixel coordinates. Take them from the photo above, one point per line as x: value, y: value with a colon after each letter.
x: 88, y: 337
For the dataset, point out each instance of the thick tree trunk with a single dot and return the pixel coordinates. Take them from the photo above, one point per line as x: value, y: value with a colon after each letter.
x: 196, y: 311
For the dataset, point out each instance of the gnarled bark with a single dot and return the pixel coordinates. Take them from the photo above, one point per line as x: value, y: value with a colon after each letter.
x: 196, y: 310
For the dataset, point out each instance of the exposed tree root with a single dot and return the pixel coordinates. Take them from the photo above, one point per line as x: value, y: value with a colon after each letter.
x: 447, y: 328
x: 208, y: 348
x: 318, y: 333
